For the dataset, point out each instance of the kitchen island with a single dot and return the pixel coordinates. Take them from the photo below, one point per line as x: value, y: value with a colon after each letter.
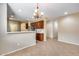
x: 14, y: 41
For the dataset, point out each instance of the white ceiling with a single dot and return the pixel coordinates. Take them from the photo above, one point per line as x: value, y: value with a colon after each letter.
x: 51, y: 10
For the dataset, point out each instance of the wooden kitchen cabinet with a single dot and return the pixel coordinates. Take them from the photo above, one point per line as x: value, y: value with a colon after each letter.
x: 40, y: 36
x: 40, y: 25
x: 33, y: 25
x: 26, y: 25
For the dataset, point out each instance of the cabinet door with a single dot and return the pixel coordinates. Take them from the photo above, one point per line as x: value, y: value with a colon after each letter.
x: 40, y: 36
x: 40, y: 25
x: 26, y: 25
x: 33, y: 25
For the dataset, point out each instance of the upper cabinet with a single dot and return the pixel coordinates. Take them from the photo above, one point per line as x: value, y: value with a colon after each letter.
x: 33, y: 26
x: 38, y: 24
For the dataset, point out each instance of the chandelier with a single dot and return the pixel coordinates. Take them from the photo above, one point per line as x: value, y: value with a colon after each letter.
x: 37, y: 13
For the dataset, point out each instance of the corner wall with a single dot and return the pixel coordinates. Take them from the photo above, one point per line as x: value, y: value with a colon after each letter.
x: 68, y: 29
x: 50, y: 29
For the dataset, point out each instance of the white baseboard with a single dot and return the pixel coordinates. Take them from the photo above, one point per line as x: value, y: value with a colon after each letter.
x: 18, y: 49
x: 68, y: 42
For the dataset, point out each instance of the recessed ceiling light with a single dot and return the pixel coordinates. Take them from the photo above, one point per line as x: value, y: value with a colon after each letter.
x: 65, y: 13
x: 20, y: 10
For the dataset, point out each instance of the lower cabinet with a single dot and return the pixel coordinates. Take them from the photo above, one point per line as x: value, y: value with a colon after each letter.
x: 40, y: 36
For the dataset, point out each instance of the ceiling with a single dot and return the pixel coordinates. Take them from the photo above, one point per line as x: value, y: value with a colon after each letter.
x: 51, y: 10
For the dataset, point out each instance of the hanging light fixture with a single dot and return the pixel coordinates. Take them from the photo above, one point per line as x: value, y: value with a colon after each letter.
x: 37, y: 13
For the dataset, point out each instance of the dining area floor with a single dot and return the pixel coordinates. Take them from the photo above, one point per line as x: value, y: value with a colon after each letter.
x: 50, y: 47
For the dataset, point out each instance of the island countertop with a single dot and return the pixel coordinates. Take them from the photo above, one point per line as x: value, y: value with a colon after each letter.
x: 17, y: 32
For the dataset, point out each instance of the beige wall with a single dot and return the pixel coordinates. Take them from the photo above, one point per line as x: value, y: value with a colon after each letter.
x: 14, y: 26
x: 69, y: 24
x: 68, y: 28
x: 23, y: 27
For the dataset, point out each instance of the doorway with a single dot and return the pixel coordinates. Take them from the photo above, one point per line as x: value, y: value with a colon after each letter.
x: 55, y: 30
